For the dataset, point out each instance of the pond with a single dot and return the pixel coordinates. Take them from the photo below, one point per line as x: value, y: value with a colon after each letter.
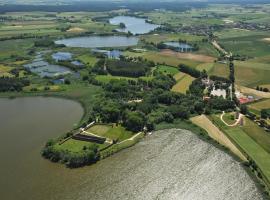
x: 134, y: 25
x: 181, y: 46
x: 99, y: 41
x: 42, y: 68
x: 25, y: 125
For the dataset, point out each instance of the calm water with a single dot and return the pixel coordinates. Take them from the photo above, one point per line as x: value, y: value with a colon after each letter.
x: 170, y: 164
x: 179, y: 45
x: 99, y: 41
x: 25, y: 125
x: 133, y: 24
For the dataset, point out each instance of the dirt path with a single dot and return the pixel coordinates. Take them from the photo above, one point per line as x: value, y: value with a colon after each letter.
x: 219, y: 48
x: 216, y: 134
x: 132, y: 138
x: 231, y: 125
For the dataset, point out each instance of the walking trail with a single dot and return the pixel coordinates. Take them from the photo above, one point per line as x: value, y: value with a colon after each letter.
x: 234, y: 124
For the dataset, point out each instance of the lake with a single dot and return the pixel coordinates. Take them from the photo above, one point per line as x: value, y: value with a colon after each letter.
x: 25, y: 125
x: 169, y: 164
x: 134, y: 25
x: 99, y: 41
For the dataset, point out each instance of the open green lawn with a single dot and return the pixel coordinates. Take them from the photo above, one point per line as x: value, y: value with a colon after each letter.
x: 164, y: 69
x: 88, y: 59
x: 252, y: 140
x: 73, y: 145
x: 113, y: 132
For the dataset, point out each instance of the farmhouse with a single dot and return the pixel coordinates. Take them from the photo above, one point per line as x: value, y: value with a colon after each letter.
x: 219, y: 93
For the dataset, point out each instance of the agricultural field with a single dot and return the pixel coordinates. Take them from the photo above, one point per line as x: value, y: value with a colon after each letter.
x: 183, y: 84
x: 220, y: 69
x: 258, y: 106
x: 251, y: 74
x: 50, y: 23
x: 251, y: 139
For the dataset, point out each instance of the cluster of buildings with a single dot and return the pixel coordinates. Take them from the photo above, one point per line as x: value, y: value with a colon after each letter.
x: 243, y: 99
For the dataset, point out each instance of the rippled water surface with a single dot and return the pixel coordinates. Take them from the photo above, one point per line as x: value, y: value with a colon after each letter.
x: 169, y: 164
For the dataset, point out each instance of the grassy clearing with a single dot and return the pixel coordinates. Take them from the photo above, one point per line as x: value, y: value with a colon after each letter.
x: 88, y: 59
x: 183, y: 85
x: 113, y: 132
x: 164, y: 69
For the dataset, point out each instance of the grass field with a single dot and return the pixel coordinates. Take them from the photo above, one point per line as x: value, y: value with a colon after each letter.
x: 108, y: 78
x: 248, y: 44
x: 156, y: 38
x: 161, y: 58
x: 220, y: 69
x: 251, y: 74
x: 164, y: 69
x: 183, y: 84
x: 253, y: 141
x: 115, y: 133
x: 88, y: 59
x: 73, y: 145
x: 203, y: 122
x: 258, y: 106
x: 11, y: 49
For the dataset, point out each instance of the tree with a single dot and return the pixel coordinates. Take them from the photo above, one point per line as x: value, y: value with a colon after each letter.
x: 134, y: 121
x: 179, y: 111
x: 122, y: 25
x: 265, y: 113
x: 67, y: 82
x: 243, y: 109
